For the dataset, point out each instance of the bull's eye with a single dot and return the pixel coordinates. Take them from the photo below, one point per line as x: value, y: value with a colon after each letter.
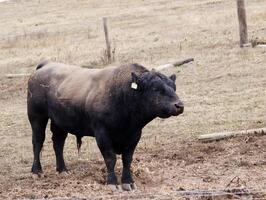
x: 155, y: 89
x: 158, y: 90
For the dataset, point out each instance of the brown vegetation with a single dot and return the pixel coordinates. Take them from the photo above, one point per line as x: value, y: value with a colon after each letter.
x: 224, y: 89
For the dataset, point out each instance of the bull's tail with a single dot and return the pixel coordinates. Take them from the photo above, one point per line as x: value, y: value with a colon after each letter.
x: 79, y: 142
x: 41, y: 64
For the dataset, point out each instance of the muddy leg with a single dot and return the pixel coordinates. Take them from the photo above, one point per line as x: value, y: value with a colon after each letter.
x: 105, y: 145
x: 59, y: 137
x: 127, y: 180
x: 38, y: 126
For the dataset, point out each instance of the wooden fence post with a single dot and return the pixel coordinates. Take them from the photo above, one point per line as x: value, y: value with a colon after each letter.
x: 108, y: 46
x: 242, y: 22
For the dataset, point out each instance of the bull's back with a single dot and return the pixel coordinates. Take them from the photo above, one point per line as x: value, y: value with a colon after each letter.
x: 70, y: 82
x: 61, y: 91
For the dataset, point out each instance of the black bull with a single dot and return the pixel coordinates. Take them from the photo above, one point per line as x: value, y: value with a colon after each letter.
x: 111, y: 104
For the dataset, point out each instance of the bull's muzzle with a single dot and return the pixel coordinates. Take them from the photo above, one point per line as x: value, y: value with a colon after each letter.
x: 180, y: 107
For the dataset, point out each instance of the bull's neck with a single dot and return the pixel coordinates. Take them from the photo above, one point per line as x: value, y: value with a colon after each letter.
x: 125, y: 100
x: 134, y: 110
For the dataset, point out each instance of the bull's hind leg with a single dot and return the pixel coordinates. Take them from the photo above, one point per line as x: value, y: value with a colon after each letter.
x: 38, y: 125
x: 59, y: 137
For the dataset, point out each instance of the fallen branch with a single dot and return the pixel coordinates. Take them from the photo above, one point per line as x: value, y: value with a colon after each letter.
x: 225, y: 135
x: 258, y: 43
x: 261, y: 45
x: 247, y: 45
x: 236, y: 193
x: 174, y: 64
x: 255, y: 44
x: 16, y: 75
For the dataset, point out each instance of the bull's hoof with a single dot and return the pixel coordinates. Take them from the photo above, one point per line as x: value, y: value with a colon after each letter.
x: 64, y: 173
x: 114, y: 187
x: 129, y: 186
x: 37, y: 176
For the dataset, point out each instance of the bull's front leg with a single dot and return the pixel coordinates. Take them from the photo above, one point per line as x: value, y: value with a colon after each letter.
x: 127, y: 180
x: 105, y: 145
x: 127, y: 156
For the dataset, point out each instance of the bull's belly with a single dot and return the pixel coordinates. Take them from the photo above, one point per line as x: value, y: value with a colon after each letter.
x: 75, y: 124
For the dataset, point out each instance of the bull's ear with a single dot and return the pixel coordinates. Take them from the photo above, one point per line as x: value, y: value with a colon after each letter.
x: 135, y: 81
x: 173, y: 77
x: 135, y: 78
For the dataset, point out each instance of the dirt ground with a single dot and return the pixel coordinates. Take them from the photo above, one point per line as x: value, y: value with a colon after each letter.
x: 224, y: 89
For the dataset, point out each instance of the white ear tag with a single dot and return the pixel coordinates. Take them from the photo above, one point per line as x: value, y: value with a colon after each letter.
x: 134, y: 85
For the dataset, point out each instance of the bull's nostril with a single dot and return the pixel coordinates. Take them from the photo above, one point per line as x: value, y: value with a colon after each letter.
x: 179, y: 105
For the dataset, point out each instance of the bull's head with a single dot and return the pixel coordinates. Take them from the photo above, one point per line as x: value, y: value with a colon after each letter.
x: 157, y: 92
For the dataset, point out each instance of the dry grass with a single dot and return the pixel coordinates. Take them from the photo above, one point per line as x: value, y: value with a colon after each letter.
x: 224, y: 89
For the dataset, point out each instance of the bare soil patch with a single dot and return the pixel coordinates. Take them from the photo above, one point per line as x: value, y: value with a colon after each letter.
x: 161, y: 172
x: 224, y: 89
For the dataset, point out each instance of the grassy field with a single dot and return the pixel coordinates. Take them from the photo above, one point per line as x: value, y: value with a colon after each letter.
x: 224, y: 89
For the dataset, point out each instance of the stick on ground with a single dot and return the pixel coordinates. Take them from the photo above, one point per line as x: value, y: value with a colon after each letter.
x: 16, y: 75
x: 224, y: 135
x: 174, y: 64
